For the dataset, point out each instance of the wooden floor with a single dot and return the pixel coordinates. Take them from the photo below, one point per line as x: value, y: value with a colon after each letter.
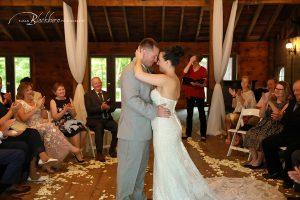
x: 95, y: 180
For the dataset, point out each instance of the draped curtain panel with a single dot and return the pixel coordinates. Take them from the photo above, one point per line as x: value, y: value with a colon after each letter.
x: 221, y: 54
x: 76, y: 47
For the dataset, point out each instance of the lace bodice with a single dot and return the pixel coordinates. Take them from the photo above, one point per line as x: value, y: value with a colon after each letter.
x: 36, y: 117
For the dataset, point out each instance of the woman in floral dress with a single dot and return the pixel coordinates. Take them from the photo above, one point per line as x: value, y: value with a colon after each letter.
x: 57, y: 146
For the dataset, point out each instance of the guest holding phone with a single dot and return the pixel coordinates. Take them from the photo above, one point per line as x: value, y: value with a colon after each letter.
x: 63, y: 114
x: 194, y: 81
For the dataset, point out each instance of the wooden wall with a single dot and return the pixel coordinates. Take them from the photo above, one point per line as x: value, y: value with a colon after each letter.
x: 290, y: 61
x: 49, y: 62
x: 253, y: 61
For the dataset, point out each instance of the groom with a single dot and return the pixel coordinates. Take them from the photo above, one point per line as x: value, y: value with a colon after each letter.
x: 135, y: 132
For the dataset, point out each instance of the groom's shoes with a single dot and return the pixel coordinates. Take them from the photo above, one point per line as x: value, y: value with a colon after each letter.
x: 100, y: 157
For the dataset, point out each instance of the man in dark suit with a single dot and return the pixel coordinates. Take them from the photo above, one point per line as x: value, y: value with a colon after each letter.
x: 13, y: 159
x: 289, y: 137
x: 99, y: 109
x: 11, y: 162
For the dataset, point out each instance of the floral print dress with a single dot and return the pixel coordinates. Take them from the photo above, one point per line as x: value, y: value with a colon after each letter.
x: 57, y: 146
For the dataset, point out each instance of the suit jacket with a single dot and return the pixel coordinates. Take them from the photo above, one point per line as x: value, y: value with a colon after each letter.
x: 137, y: 109
x: 291, y: 120
x: 92, y: 104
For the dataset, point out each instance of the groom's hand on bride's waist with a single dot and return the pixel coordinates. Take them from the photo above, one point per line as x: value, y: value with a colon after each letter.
x: 161, y: 111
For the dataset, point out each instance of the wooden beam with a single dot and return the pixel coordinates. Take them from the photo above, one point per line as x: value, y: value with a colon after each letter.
x: 56, y: 26
x: 238, y: 15
x: 92, y: 28
x: 126, y: 23
x: 70, y: 2
x: 144, y: 21
x: 199, y: 24
x: 272, y: 21
x: 163, y: 23
x: 287, y: 23
x: 108, y: 24
x: 38, y: 26
x: 181, y: 23
x: 6, y: 32
x: 22, y: 29
x: 148, y: 3
x: 254, y: 20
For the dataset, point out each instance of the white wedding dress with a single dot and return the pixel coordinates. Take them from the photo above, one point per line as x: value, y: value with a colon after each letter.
x: 175, y: 176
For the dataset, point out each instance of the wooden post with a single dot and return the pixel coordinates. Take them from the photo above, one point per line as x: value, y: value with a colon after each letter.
x: 211, y: 78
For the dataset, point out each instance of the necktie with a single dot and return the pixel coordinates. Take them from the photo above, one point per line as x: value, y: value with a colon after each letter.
x: 100, y: 95
x: 296, y: 106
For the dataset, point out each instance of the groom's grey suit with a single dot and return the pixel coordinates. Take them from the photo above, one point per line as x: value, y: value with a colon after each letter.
x: 135, y: 134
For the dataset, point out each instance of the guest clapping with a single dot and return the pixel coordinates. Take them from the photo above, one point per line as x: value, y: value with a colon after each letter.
x: 5, y: 98
x: 276, y: 102
x: 30, y: 113
x: 241, y: 98
x: 63, y: 114
x: 288, y: 137
x: 29, y: 141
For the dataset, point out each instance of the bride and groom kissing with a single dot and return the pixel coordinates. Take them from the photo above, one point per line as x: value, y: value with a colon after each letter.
x: 146, y: 112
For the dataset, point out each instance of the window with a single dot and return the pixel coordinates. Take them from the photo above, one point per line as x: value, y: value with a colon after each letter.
x: 228, y: 73
x: 281, y: 74
x: 22, y: 69
x: 99, y: 69
x: 3, y: 73
x: 120, y: 64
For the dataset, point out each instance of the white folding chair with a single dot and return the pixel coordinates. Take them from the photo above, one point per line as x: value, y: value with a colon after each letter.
x: 91, y: 145
x: 240, y: 123
x: 91, y: 142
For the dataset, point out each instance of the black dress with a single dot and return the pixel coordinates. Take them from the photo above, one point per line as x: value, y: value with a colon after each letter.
x: 67, y: 124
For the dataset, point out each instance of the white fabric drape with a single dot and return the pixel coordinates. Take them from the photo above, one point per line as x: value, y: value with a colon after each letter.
x: 221, y: 54
x: 76, y: 47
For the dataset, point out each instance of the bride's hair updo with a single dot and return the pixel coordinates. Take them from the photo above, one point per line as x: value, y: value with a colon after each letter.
x: 173, y: 54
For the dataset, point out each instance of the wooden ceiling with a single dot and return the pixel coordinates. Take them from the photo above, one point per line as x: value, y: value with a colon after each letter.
x: 164, y: 20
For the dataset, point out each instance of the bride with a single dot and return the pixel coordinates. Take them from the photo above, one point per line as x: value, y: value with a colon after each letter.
x: 175, y: 176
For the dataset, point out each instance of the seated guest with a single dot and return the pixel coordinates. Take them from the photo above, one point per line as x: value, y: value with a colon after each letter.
x: 271, y: 83
x: 5, y: 98
x: 28, y: 141
x: 241, y: 98
x: 63, y: 114
x: 12, y: 161
x: 99, y: 109
x: 36, y: 95
x: 30, y: 113
x: 295, y: 174
x: 194, y: 93
x: 276, y: 102
x: 289, y: 138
